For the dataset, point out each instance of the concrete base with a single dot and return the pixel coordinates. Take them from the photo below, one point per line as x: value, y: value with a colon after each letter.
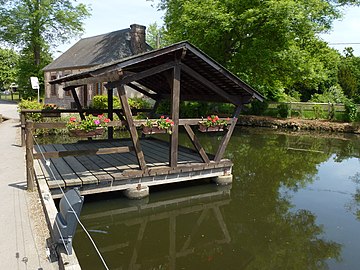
x: 137, y: 193
x: 223, y: 180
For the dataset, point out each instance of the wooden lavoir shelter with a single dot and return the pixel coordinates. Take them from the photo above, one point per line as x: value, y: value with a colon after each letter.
x: 179, y: 72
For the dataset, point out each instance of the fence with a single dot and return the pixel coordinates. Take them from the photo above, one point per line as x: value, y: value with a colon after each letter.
x: 10, y: 96
x: 311, y: 109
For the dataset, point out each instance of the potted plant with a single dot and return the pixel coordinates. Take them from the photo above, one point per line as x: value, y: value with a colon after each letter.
x: 50, y: 110
x: 213, y: 123
x: 161, y: 125
x: 91, y: 126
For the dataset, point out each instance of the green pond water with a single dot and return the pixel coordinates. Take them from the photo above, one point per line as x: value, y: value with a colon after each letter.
x: 294, y: 204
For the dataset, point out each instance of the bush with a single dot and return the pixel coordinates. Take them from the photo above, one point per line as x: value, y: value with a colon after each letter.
x: 101, y: 102
x: 283, y: 110
x: 30, y: 105
x: 350, y: 111
x: 138, y: 103
x: 318, y: 112
x: 258, y: 107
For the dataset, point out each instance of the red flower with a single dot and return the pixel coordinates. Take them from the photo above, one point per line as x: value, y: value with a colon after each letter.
x: 216, y: 117
x: 214, y: 120
x: 72, y: 119
x: 162, y: 117
x: 167, y: 120
x: 106, y: 120
x: 209, y: 118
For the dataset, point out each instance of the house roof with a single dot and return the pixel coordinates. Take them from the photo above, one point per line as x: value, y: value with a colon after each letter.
x: 202, y: 78
x: 93, y: 51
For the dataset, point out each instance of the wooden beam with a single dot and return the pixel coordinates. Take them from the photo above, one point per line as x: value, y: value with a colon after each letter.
x: 175, y: 107
x: 95, y: 151
x: 77, y: 102
x: 110, y: 94
x: 197, y: 143
x: 133, y: 132
x: 209, y: 84
x: 30, y: 172
x: 225, y: 140
x: 146, y: 73
x: 111, y: 76
x: 142, y: 91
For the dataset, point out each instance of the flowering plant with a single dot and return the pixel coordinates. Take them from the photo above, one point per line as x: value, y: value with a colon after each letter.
x: 50, y: 107
x: 161, y: 123
x: 88, y: 124
x: 214, y: 120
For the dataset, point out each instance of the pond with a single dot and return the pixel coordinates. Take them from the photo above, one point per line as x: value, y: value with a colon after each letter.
x: 294, y: 204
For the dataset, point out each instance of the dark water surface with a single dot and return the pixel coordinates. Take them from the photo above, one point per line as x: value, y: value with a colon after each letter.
x: 294, y: 204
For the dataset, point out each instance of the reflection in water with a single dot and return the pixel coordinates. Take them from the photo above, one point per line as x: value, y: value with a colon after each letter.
x: 273, y: 218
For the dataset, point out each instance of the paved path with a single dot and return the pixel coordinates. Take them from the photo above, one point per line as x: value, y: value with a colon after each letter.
x: 22, y: 232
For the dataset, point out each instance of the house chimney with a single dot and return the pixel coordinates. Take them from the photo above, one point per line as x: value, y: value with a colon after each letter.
x: 137, y: 38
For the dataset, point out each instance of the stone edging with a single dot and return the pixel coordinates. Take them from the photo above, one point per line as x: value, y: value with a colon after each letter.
x: 298, y: 124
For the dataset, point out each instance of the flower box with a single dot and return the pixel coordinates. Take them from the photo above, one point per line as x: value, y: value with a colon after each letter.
x: 203, y: 128
x: 50, y: 114
x: 86, y: 134
x: 152, y: 130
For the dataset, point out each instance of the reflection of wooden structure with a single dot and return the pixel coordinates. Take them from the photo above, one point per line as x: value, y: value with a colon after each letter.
x: 140, y: 219
x: 176, y: 73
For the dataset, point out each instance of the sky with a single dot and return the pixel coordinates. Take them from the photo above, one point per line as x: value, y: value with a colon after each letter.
x: 112, y: 15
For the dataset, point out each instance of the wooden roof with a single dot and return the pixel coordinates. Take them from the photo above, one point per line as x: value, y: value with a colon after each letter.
x: 202, y: 78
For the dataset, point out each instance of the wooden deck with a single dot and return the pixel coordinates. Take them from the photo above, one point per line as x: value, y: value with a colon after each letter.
x: 120, y: 171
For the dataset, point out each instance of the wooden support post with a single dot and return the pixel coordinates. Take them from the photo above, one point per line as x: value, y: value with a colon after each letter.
x: 22, y: 128
x: 133, y: 132
x: 196, y: 143
x: 110, y: 94
x: 77, y: 102
x: 175, y: 107
x: 30, y: 174
x: 225, y: 140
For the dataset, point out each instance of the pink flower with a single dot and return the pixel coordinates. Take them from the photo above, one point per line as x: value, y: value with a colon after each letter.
x: 208, y: 118
x: 100, y: 116
x: 228, y: 119
x: 162, y: 117
x: 106, y: 120
x: 72, y: 119
x: 214, y: 120
x: 97, y: 122
x: 167, y: 120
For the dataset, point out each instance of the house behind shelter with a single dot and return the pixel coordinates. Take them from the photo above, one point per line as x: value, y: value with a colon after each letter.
x: 90, y: 52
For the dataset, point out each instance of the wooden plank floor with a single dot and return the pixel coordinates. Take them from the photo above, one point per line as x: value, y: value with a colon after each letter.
x: 107, y: 170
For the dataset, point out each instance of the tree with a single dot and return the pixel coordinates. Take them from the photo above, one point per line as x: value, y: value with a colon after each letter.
x: 271, y: 44
x: 8, y: 67
x: 349, y: 74
x: 35, y: 24
x: 154, y: 36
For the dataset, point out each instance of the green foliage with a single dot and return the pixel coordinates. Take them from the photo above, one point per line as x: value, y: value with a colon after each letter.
x: 138, y: 103
x: 31, y: 105
x: 273, y: 45
x: 350, y: 111
x: 334, y: 94
x: 8, y: 67
x: 101, y: 102
x: 34, y: 26
x: 349, y: 74
x: 258, y: 107
x: 154, y: 36
x: 318, y: 111
x: 283, y: 110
